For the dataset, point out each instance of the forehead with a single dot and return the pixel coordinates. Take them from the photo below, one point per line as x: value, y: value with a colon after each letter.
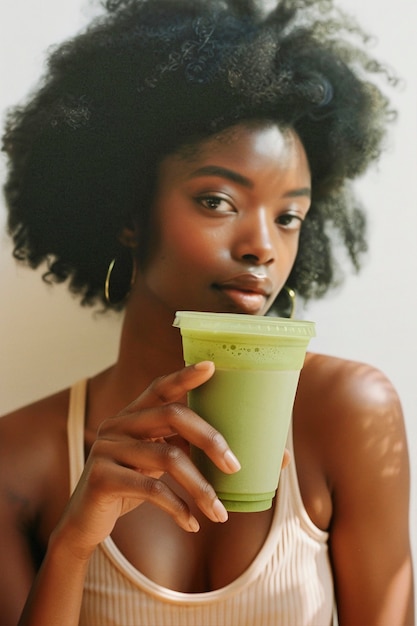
x: 234, y: 136
x: 253, y: 146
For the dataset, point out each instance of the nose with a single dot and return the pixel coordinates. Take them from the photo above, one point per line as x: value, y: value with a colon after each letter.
x: 254, y: 242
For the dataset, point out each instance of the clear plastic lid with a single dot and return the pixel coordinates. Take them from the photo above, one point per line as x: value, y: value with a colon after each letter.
x: 243, y: 324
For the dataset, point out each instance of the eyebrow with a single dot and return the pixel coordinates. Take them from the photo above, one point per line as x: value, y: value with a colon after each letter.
x: 224, y: 172
x: 295, y: 193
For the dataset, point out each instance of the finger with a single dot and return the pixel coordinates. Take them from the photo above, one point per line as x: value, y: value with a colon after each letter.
x: 172, y: 387
x: 156, y: 459
x: 115, y: 489
x: 159, y: 494
x: 170, y: 419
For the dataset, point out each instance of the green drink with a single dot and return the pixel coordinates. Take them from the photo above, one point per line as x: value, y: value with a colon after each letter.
x: 250, y: 397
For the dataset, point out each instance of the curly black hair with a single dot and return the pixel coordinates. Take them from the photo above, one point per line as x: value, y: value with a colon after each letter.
x: 150, y: 76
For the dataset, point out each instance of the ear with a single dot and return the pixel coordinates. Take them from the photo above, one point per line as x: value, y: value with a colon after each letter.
x: 128, y: 237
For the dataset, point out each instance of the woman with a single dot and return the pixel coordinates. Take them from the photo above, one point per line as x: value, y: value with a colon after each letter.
x: 198, y: 156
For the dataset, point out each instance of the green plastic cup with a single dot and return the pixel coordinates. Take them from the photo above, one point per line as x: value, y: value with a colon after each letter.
x: 249, y: 398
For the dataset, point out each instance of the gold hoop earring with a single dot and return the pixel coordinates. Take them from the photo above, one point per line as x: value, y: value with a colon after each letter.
x: 118, y: 281
x: 292, y: 298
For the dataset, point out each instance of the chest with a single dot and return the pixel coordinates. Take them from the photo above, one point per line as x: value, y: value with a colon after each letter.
x: 218, y: 553
x: 190, y: 562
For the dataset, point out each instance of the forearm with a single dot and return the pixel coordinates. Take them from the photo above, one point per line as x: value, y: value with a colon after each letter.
x: 56, y: 595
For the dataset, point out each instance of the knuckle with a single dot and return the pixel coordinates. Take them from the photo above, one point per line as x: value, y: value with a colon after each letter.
x: 173, y: 455
x: 99, y: 449
x: 106, y: 426
x: 157, y: 492
x: 177, y: 410
x: 158, y: 389
x: 206, y: 490
x: 174, y: 412
x: 152, y: 487
x: 181, y: 509
x: 97, y: 473
x: 216, y: 440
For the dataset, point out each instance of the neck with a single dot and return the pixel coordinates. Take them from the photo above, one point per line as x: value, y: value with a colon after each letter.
x: 149, y: 347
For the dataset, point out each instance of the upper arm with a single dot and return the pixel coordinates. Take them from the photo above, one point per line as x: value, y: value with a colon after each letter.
x: 19, y: 515
x: 369, y: 539
x: 17, y: 569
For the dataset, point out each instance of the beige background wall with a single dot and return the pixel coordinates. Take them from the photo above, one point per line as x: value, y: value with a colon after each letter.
x: 47, y: 340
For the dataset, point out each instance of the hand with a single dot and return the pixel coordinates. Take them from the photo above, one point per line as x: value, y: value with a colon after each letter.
x: 134, y: 449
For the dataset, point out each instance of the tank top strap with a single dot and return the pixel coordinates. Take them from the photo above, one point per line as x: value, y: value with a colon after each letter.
x: 75, y: 430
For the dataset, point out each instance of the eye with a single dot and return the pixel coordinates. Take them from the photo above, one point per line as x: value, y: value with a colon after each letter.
x: 290, y: 221
x: 215, y: 203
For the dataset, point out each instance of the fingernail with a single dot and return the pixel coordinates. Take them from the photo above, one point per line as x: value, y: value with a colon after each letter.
x: 203, y: 365
x: 219, y: 511
x: 231, y: 461
x: 193, y: 524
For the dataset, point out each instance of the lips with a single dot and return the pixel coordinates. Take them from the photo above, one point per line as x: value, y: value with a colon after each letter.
x: 252, y: 283
x: 247, y: 292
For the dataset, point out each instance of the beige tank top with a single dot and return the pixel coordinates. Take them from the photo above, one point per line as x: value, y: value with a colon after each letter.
x: 289, y: 583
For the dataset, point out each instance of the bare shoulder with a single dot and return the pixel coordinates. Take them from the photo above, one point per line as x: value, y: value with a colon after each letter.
x: 349, y: 384
x: 349, y: 392
x: 39, y: 422
x: 356, y: 414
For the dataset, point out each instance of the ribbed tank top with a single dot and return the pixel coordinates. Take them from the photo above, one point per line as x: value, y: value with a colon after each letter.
x: 289, y: 583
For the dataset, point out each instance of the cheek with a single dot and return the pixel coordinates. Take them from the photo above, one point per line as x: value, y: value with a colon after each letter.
x: 186, y: 242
